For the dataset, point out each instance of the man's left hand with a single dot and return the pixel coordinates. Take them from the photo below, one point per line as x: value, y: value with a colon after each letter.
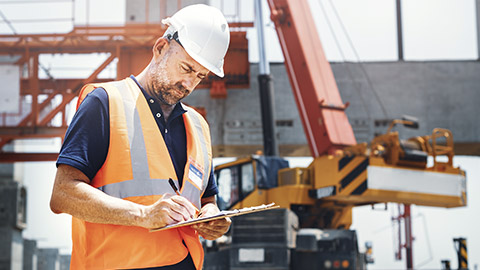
x: 213, y: 229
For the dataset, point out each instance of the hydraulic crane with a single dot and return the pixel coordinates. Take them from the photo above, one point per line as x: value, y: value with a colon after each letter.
x: 311, y: 232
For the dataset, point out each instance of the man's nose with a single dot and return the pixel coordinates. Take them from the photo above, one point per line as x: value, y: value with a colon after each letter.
x: 190, y: 82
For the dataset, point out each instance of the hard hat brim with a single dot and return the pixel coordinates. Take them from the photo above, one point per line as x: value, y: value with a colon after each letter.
x: 217, y: 71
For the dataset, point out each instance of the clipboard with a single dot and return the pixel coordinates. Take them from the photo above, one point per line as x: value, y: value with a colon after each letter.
x: 222, y: 214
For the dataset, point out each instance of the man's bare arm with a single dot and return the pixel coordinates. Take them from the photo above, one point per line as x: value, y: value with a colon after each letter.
x: 73, y: 195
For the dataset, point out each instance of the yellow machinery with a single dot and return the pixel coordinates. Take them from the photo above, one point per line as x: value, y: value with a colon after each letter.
x: 323, y: 194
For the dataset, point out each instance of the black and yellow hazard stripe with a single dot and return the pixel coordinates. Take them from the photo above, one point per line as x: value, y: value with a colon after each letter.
x: 355, y: 181
x: 446, y: 265
x: 462, y: 253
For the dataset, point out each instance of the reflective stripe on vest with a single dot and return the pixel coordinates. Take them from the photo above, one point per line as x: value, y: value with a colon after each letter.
x: 142, y: 184
x: 188, y: 190
x: 198, y: 126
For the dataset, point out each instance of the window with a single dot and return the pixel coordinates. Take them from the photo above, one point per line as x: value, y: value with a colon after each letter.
x: 248, y: 180
x: 234, y: 184
x: 228, y: 187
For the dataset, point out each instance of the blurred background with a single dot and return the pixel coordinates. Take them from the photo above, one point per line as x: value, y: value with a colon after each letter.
x: 429, y: 68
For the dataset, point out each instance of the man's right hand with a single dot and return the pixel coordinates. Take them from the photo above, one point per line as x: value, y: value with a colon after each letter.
x: 72, y: 194
x: 169, y: 209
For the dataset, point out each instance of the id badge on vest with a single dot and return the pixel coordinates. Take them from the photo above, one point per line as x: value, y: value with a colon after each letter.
x: 195, y: 174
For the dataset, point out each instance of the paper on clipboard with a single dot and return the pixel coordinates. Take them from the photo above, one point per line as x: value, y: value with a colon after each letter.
x: 222, y: 214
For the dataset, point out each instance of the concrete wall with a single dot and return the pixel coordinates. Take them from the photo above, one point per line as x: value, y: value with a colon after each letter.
x: 48, y: 259
x: 43, y: 258
x: 30, y: 258
x: 440, y: 94
x: 7, y: 169
x: 11, y: 241
x: 65, y: 262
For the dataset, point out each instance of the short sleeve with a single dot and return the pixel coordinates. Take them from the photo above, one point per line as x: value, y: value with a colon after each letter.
x: 212, y: 188
x: 87, y: 138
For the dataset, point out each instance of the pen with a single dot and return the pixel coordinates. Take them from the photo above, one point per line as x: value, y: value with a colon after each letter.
x: 174, y: 187
x: 172, y: 184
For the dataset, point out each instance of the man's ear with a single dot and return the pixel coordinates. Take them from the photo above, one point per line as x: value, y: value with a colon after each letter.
x: 160, y: 47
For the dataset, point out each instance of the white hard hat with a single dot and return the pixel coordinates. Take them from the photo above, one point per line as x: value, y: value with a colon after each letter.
x: 204, y: 34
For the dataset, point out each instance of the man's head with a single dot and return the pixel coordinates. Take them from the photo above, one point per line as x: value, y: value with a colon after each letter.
x: 195, y: 43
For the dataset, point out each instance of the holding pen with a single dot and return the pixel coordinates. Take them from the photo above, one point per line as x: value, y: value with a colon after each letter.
x: 174, y: 187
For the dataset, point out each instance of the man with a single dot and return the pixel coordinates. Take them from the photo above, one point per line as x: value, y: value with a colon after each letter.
x: 127, y: 139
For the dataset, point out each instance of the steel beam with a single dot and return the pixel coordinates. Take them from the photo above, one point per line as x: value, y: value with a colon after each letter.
x: 6, y: 157
x: 32, y: 132
x: 399, y: 30
x: 57, y: 86
x: 68, y: 98
x: 89, y: 39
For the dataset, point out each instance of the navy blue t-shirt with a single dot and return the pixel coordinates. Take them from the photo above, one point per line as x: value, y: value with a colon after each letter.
x: 87, y: 139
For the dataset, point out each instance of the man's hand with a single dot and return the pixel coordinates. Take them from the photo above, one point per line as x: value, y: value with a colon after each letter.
x: 73, y: 194
x: 215, y: 228
x: 167, y: 210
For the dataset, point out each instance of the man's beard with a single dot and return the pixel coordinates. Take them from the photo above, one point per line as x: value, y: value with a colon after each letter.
x: 170, y: 94
x: 161, y: 86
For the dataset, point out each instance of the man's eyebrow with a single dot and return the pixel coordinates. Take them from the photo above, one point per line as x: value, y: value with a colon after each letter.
x: 192, y: 69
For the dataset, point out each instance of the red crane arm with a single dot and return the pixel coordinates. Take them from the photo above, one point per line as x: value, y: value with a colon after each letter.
x: 316, y: 93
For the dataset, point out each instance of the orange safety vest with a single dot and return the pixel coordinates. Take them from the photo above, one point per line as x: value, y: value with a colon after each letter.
x: 137, y: 168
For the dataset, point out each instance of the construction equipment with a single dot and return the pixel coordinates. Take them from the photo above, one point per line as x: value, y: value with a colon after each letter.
x: 446, y: 265
x: 342, y: 175
x: 460, y: 245
x: 462, y: 255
